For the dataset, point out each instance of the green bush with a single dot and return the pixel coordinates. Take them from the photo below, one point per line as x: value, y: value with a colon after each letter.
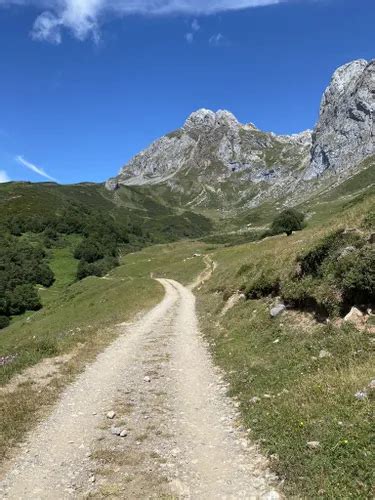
x: 44, y: 275
x: 23, y: 298
x: 99, y: 268
x: 263, y: 286
x: 89, y: 251
x: 328, y: 248
x: 355, y: 275
x: 22, y: 266
x: 287, y: 221
x: 338, y: 273
x: 4, y: 322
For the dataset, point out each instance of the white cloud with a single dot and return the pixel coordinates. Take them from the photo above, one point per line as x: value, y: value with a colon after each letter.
x: 3, y: 176
x: 195, y: 26
x: 34, y: 168
x: 84, y: 17
x: 189, y: 37
x: 217, y: 40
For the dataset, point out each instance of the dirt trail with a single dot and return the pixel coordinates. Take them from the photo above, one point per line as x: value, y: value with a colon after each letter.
x: 183, y: 437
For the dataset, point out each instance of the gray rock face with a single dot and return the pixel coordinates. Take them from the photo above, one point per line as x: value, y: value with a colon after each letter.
x: 215, y: 162
x: 344, y: 135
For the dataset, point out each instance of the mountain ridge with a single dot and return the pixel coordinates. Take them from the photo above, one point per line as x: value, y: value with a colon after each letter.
x: 215, y: 162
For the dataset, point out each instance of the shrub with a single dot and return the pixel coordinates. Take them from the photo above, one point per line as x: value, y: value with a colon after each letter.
x: 263, y: 286
x: 98, y: 268
x: 89, y: 251
x: 84, y: 270
x: 338, y: 273
x: 4, y: 322
x: 355, y: 275
x: 44, y: 275
x: 369, y: 220
x: 328, y: 250
x: 288, y: 221
x: 23, y: 298
x: 46, y: 347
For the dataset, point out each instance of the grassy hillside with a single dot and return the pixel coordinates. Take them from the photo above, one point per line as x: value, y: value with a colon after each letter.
x: 295, y: 377
x: 87, y: 222
x: 125, y: 206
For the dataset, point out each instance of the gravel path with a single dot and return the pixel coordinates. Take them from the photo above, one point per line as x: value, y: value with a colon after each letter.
x: 181, y: 437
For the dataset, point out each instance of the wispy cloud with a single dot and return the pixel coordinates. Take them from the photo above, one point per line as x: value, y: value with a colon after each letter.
x: 34, y: 168
x: 3, y: 176
x: 217, y: 40
x: 83, y: 18
x: 195, y: 27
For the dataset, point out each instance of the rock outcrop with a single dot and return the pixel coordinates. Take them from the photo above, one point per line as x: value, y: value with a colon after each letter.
x: 344, y: 135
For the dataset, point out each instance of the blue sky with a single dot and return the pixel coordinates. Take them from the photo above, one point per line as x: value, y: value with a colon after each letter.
x: 86, y: 84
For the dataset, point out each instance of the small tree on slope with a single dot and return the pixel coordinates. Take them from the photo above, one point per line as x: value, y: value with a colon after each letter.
x: 288, y: 221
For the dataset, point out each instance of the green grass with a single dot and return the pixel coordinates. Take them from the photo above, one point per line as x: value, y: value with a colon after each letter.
x: 174, y: 261
x: 310, y: 399
x: 64, y: 267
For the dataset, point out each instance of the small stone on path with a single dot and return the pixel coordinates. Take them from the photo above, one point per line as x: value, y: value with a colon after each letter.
x: 255, y: 399
x: 361, y: 395
x: 313, y: 445
x: 324, y: 354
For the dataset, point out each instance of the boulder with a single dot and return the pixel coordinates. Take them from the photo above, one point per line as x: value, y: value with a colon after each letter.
x: 277, y: 310
x: 355, y: 316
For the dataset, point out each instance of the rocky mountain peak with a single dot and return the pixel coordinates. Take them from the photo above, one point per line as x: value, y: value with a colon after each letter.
x: 204, y: 121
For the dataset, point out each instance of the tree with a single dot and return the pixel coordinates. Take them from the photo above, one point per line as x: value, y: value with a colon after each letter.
x: 288, y: 221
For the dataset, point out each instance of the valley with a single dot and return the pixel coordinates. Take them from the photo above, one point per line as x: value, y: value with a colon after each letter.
x: 235, y: 354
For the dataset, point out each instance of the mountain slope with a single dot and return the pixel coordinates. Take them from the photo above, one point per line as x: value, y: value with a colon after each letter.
x: 213, y: 161
x: 127, y: 207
